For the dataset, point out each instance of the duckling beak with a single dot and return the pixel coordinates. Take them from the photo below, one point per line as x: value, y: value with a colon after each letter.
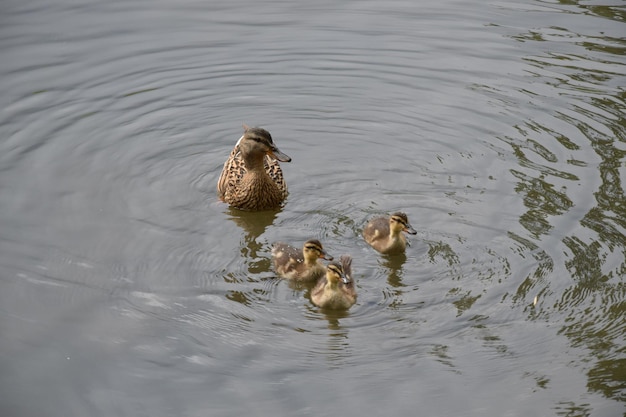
x: 345, y: 279
x: 326, y: 256
x: 409, y: 229
x: 277, y: 154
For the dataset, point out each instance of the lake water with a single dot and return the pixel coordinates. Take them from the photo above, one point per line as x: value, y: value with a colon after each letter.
x: 128, y: 289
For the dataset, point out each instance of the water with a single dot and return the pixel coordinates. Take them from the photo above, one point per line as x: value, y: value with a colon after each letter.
x: 127, y: 289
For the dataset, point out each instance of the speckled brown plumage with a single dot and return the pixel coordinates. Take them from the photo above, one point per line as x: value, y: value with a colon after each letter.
x: 336, y: 290
x: 300, y: 265
x: 385, y: 233
x: 251, y: 178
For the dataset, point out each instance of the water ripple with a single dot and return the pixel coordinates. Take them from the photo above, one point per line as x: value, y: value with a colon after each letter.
x: 500, y: 134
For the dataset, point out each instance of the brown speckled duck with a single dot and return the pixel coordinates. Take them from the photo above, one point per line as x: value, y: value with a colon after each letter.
x: 385, y: 233
x: 336, y: 290
x: 300, y: 265
x: 252, y: 178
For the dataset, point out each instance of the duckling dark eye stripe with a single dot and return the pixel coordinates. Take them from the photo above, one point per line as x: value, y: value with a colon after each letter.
x: 313, y: 248
x: 399, y: 220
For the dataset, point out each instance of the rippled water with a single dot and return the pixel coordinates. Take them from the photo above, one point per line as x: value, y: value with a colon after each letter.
x: 127, y: 288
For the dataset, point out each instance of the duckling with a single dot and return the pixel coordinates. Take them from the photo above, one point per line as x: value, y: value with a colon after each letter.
x: 385, y: 233
x: 300, y: 265
x: 252, y: 178
x: 336, y: 290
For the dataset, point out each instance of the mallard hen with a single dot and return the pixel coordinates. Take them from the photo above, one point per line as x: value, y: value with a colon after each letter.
x: 252, y: 178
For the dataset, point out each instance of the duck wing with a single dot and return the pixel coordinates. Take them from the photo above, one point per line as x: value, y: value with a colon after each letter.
x: 286, y: 258
x: 234, y: 169
x: 377, y: 228
x: 272, y: 167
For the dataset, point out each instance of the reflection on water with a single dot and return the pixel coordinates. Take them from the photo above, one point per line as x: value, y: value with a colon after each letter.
x: 443, y: 357
x: 549, y: 181
x: 393, y: 265
x: 463, y: 299
x: 448, y: 255
x: 338, y: 351
x: 334, y: 317
x: 253, y: 224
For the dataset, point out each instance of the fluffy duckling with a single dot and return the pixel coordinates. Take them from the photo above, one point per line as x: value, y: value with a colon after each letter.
x: 252, y: 178
x: 385, y: 233
x: 300, y: 265
x: 336, y: 290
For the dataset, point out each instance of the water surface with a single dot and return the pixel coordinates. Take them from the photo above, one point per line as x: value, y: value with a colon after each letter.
x: 127, y: 288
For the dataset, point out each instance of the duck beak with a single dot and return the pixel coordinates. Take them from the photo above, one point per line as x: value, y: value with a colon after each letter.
x: 410, y: 229
x: 326, y: 256
x: 277, y: 154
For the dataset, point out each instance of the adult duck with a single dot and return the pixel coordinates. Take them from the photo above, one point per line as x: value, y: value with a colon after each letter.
x: 252, y: 178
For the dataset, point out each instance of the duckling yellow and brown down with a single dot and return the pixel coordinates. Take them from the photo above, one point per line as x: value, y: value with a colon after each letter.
x: 336, y: 290
x: 385, y: 234
x: 300, y: 265
x: 252, y: 178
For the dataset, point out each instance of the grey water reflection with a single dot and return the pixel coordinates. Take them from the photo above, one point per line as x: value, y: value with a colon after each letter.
x: 253, y: 224
x: 595, y: 248
x: 254, y: 261
x: 393, y: 265
x: 338, y: 350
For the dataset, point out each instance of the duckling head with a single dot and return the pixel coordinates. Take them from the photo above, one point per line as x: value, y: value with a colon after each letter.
x: 334, y: 273
x: 258, y: 141
x: 314, y: 250
x: 399, y: 222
